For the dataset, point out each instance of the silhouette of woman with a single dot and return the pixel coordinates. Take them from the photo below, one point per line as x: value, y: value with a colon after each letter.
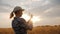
x: 19, y: 25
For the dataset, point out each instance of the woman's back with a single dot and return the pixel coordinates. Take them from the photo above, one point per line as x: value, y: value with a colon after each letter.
x: 19, y: 25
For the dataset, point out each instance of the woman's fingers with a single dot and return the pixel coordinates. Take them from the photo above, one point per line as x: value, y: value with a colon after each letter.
x: 31, y: 15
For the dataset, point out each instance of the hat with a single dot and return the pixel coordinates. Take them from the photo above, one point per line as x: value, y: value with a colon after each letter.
x: 17, y: 8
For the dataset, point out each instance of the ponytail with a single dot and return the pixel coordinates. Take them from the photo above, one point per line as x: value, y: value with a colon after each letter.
x: 11, y: 15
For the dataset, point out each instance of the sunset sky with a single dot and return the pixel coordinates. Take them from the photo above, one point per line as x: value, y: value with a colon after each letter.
x: 47, y: 10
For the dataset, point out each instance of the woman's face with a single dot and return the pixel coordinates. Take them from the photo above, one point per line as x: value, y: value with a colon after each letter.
x: 20, y: 13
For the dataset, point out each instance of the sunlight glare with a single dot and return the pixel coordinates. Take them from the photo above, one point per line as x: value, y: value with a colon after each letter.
x: 26, y: 17
x: 34, y: 19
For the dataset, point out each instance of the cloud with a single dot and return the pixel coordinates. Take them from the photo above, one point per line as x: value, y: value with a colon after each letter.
x: 53, y: 12
x: 40, y: 9
x: 2, y: 3
x: 55, y: 2
x: 27, y: 4
x: 4, y: 7
x: 45, y: 6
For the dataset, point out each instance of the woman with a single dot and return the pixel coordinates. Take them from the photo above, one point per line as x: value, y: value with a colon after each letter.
x: 19, y: 25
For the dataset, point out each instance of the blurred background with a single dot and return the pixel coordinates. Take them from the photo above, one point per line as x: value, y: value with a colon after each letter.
x: 46, y: 14
x: 48, y: 11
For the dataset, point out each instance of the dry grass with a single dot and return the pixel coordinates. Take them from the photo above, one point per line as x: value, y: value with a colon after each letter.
x: 36, y: 30
x: 6, y: 31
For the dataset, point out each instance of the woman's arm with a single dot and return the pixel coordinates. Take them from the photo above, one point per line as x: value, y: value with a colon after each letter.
x: 30, y: 24
x: 30, y: 18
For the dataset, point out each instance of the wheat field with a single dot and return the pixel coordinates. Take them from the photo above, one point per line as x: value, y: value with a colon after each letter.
x: 36, y: 30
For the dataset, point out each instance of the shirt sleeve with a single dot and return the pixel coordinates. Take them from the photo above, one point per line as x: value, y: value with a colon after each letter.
x: 29, y: 25
x: 23, y: 24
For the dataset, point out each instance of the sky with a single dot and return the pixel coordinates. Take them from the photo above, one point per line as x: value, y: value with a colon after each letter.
x: 47, y: 10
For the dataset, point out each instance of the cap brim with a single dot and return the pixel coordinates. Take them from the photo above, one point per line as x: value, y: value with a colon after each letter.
x: 22, y: 9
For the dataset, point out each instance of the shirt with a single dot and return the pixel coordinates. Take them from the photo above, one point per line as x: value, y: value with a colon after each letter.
x: 19, y: 25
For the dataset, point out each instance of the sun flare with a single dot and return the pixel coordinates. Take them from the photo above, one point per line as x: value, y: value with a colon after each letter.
x: 34, y: 18
x: 26, y: 17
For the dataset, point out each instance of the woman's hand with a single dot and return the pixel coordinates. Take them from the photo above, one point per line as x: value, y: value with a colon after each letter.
x: 31, y: 16
x: 30, y: 24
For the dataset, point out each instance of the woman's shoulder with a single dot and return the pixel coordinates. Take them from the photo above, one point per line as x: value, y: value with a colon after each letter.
x: 19, y: 19
x: 22, y: 19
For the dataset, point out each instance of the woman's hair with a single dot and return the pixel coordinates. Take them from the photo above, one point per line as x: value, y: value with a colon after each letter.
x: 11, y: 15
x: 15, y: 11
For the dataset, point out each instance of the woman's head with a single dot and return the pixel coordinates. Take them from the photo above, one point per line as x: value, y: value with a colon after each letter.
x: 17, y: 11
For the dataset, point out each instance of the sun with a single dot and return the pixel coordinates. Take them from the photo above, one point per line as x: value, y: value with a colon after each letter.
x: 26, y: 17
x: 34, y: 19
